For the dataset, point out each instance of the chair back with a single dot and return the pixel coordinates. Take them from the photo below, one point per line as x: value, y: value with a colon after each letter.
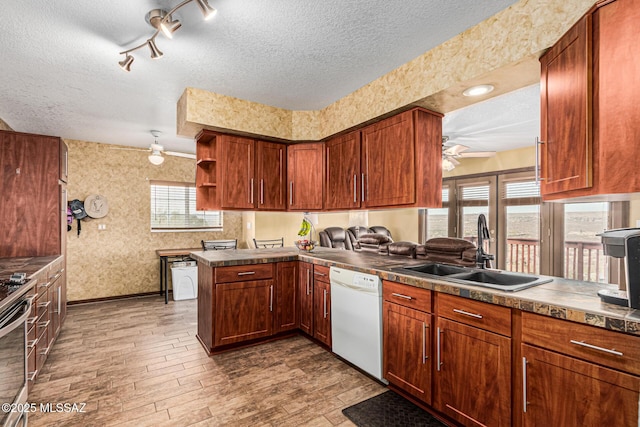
x: 268, y: 243
x: 216, y: 245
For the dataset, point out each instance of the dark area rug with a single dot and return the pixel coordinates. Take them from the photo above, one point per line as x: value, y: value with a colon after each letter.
x: 389, y: 410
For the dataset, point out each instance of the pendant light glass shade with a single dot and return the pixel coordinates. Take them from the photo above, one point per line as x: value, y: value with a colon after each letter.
x: 156, y: 158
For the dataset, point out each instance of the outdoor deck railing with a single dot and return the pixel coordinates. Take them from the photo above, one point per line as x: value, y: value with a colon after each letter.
x: 583, y: 260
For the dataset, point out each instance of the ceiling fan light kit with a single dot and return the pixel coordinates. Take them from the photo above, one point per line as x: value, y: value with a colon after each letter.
x: 163, y: 21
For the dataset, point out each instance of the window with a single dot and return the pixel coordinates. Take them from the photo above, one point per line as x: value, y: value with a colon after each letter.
x: 438, y: 219
x: 173, y: 208
x: 583, y: 253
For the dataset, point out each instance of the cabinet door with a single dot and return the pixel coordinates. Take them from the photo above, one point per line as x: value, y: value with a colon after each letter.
x: 270, y: 175
x: 30, y: 209
x: 407, y: 350
x: 243, y: 311
x: 565, y: 87
x: 322, y: 312
x: 473, y: 375
x: 388, y: 162
x: 285, y: 299
x: 64, y: 161
x: 238, y: 177
x: 563, y: 391
x: 305, y: 172
x: 343, y: 172
x: 305, y: 293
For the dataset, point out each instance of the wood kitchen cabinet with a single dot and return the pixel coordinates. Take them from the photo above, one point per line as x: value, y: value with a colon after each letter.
x: 343, y: 177
x: 234, y: 172
x: 305, y: 176
x: 31, y: 169
x: 590, y: 84
x: 407, y: 335
x: 321, y: 305
x: 286, y: 301
x: 578, y: 375
x: 305, y: 296
x: 401, y: 161
x: 472, y: 377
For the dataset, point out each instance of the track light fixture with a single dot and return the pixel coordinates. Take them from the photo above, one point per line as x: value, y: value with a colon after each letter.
x: 164, y: 22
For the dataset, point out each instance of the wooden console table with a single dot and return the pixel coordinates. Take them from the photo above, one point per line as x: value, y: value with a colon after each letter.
x: 167, y: 256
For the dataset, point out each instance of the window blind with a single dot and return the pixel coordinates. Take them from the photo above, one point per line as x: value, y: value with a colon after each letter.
x: 520, y: 189
x: 173, y: 207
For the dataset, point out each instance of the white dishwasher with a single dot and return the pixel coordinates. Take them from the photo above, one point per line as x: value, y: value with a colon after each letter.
x: 356, y: 319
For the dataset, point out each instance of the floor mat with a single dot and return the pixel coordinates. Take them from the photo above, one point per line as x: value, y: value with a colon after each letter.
x: 388, y: 410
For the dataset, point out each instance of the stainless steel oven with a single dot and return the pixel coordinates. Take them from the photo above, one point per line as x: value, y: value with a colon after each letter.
x: 14, y: 312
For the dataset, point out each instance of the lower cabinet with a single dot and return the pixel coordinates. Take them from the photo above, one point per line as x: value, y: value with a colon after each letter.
x: 472, y: 377
x: 305, y: 297
x: 285, y: 299
x: 407, y: 339
x: 321, y: 305
x: 244, y: 311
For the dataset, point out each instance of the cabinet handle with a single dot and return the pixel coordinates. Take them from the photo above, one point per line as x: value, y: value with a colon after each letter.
x: 32, y: 375
x: 317, y: 273
x: 246, y: 273
x: 44, y: 324
x: 308, y: 282
x: 33, y: 343
x: 45, y: 284
x: 32, y: 320
x: 251, y: 191
x: 262, y: 191
x: 45, y: 351
x: 362, y: 188
x: 524, y: 384
x: 537, y: 166
x: 401, y: 296
x: 438, y: 361
x: 355, y: 188
x: 595, y: 347
x: 271, y: 298
x: 325, y: 304
x: 290, y: 192
x: 424, y: 343
x: 44, y: 304
x: 466, y: 313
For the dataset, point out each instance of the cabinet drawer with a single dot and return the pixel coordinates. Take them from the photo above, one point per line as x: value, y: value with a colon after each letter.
x: 321, y: 273
x: 490, y: 317
x: 42, y: 283
x: 243, y: 273
x: 608, y: 348
x: 408, y: 296
x: 56, y: 269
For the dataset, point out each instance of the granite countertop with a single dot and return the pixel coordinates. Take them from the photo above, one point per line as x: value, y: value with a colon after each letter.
x: 561, y: 298
x: 29, y: 265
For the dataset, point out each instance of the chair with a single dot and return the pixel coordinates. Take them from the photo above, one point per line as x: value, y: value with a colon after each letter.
x: 269, y: 243
x: 335, y: 237
x: 217, y: 245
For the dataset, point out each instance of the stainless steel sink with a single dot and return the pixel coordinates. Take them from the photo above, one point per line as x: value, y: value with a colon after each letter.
x: 495, y: 279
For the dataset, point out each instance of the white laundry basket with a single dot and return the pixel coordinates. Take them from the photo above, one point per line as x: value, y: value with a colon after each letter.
x: 184, y: 276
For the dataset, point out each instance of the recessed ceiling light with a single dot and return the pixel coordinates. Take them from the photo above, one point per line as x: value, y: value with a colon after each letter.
x: 478, y: 90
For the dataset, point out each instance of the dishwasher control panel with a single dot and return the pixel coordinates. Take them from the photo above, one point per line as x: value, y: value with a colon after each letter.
x: 366, y: 281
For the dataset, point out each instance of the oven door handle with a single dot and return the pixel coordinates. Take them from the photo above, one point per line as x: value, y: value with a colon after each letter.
x: 20, y: 320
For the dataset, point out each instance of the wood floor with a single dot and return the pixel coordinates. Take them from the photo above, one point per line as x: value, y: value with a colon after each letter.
x: 137, y: 362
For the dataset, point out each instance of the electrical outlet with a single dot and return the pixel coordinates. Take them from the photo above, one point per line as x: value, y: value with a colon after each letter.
x: 102, y: 226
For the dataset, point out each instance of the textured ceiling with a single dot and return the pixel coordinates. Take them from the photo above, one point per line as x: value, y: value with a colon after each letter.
x: 60, y: 74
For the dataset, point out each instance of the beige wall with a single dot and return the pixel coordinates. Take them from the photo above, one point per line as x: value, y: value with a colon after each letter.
x: 503, y: 160
x: 4, y: 125
x: 121, y: 260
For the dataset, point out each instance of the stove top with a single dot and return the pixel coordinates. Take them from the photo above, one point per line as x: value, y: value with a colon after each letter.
x: 7, y: 288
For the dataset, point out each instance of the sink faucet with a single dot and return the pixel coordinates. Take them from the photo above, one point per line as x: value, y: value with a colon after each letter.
x: 483, y: 233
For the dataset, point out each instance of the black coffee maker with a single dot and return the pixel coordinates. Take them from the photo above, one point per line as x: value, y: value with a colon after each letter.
x: 624, y: 243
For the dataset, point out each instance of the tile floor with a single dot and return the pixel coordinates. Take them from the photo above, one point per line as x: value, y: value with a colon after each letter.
x: 137, y: 362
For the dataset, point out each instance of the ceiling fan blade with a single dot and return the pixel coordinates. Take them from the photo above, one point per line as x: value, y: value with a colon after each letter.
x: 452, y: 160
x: 455, y: 150
x: 478, y: 154
x: 178, y: 154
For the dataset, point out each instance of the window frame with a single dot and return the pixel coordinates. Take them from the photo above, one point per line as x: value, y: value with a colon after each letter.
x: 215, y: 216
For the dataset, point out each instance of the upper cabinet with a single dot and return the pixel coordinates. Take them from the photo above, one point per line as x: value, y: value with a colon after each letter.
x: 239, y: 173
x: 343, y: 177
x: 401, y: 161
x: 590, y: 121
x: 305, y: 172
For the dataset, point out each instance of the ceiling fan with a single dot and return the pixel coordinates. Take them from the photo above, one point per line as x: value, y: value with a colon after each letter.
x: 450, y: 154
x: 156, y: 150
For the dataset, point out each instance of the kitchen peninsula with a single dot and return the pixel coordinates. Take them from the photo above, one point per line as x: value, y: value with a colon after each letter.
x: 521, y: 350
